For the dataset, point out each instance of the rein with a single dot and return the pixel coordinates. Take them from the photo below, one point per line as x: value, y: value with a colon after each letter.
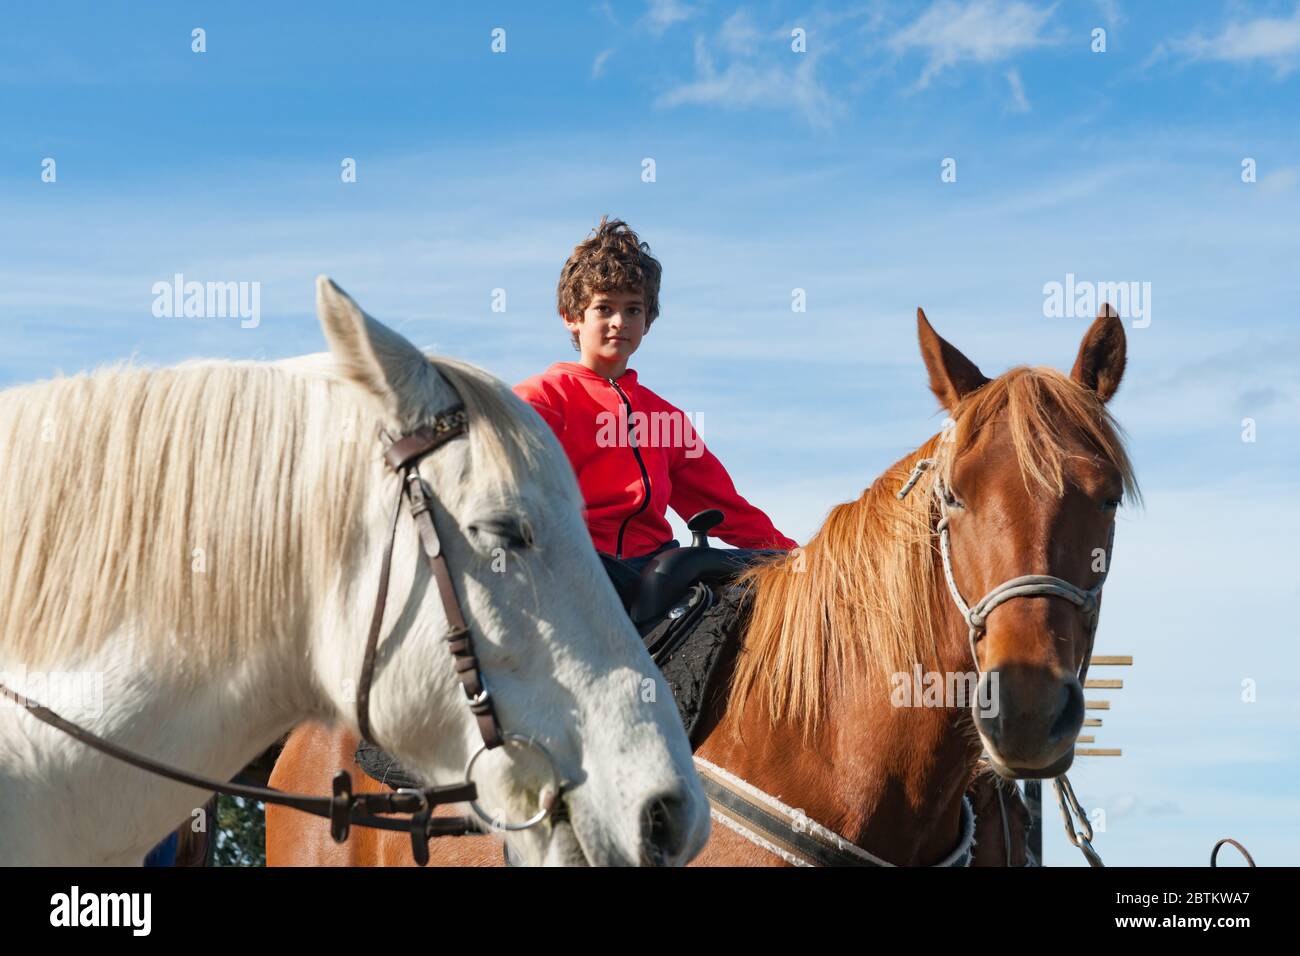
x: 345, y: 809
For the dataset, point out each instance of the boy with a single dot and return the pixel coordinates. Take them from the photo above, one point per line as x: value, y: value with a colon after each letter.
x: 635, y: 455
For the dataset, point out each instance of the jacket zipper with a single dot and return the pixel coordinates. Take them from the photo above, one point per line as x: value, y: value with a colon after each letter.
x: 645, y: 477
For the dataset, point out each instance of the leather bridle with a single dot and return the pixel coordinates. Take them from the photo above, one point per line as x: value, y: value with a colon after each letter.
x: 345, y: 809
x: 403, y: 456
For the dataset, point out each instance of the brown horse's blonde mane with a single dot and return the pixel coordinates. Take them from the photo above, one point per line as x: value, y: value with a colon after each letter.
x: 861, y: 600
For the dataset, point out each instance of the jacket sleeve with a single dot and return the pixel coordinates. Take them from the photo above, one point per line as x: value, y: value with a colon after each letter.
x: 701, y: 482
x: 532, y: 392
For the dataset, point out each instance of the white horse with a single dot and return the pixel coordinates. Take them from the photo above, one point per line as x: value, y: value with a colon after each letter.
x: 199, y: 547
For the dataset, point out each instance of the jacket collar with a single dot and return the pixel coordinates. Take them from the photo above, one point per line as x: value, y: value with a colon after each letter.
x: 626, y: 381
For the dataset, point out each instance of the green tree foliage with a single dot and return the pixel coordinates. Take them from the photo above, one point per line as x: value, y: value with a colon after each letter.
x: 241, y: 832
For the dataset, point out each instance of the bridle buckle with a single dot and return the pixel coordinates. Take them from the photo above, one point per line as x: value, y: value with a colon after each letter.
x: 341, y: 807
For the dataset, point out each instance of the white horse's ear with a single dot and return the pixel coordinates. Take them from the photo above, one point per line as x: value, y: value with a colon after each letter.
x: 368, y: 352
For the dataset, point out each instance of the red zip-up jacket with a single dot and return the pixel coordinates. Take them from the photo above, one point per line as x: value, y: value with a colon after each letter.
x: 627, y: 484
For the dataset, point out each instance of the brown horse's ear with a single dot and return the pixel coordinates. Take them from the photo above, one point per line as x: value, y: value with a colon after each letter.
x: 1100, y: 364
x: 952, y: 375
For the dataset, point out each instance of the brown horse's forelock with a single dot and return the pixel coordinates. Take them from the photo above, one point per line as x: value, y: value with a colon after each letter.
x: 1046, y: 413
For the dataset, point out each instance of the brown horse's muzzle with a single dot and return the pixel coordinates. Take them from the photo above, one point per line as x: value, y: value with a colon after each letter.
x: 1029, y: 720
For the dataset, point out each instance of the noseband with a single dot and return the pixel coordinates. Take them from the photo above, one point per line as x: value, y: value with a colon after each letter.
x: 346, y: 809
x: 1027, y: 585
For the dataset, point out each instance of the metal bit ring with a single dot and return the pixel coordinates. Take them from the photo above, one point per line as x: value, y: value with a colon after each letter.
x: 548, y: 805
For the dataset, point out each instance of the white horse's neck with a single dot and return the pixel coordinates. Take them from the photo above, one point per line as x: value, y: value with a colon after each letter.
x: 215, y: 723
x: 61, y: 802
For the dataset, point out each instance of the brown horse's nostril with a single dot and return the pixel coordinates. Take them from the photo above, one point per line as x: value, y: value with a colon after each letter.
x: 992, y: 701
x: 663, y: 829
x: 1069, y: 719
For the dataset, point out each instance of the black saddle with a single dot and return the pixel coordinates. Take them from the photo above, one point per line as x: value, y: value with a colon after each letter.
x: 667, y: 579
x: 672, y: 574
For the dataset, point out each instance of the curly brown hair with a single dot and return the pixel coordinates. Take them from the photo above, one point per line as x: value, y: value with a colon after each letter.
x: 612, y: 260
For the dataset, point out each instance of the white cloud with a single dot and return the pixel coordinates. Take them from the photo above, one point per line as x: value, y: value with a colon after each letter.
x: 1019, y: 103
x: 608, y: 11
x: 982, y: 31
x: 598, y: 64
x: 750, y: 80
x: 662, y: 14
x: 739, y: 35
x: 1280, y: 180
x: 1270, y: 39
x: 1111, y: 12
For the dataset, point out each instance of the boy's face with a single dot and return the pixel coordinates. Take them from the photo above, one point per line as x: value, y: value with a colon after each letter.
x: 611, y: 327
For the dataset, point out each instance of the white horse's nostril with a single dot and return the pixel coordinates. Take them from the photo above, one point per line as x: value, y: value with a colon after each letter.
x: 663, y: 830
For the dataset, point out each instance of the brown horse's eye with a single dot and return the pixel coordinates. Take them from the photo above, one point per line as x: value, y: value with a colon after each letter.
x: 1110, y: 504
x: 951, y: 500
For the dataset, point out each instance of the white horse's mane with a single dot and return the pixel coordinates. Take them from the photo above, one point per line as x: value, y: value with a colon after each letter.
x: 200, y: 504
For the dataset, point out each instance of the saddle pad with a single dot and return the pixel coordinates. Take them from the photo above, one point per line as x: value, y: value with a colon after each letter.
x: 384, y: 768
x: 691, y: 667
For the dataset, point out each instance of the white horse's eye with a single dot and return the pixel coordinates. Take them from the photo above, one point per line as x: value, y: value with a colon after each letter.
x: 511, y: 532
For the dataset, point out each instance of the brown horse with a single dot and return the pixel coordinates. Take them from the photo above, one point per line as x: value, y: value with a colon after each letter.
x: 1026, y: 481
x: 1001, y: 817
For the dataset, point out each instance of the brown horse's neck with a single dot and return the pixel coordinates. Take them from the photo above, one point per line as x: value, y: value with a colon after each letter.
x: 888, y: 778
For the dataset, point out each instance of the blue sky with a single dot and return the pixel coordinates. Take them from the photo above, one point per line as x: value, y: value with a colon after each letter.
x: 775, y: 170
